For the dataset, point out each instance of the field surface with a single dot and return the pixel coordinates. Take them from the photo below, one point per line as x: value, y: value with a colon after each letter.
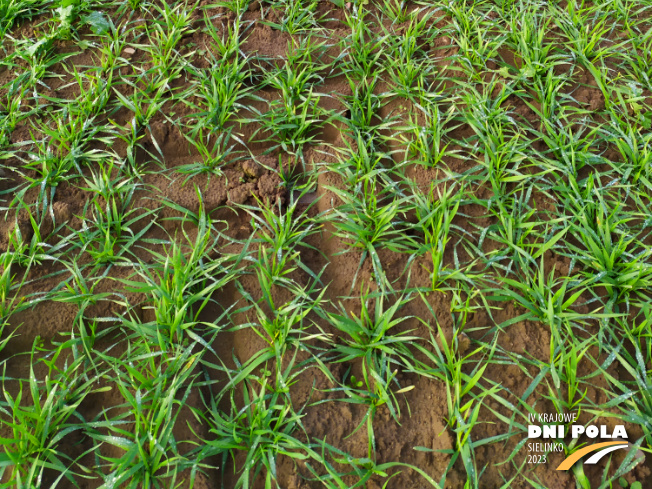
x: 302, y: 243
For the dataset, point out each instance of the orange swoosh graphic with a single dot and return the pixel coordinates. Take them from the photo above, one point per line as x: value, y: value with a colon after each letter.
x: 568, y: 463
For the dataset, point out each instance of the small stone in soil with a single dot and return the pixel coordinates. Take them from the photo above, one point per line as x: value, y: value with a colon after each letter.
x: 463, y: 343
x: 251, y: 169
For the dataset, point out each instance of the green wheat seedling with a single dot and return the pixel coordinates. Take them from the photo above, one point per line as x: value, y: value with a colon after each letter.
x: 40, y: 419
x: 373, y: 338
x: 285, y: 328
x: 382, y: 389
x: 408, y: 66
x: 173, y: 24
x: 446, y: 362
x: 144, y: 105
x: 467, y: 300
x: 585, y: 37
x: 538, y: 55
x: 110, y: 49
x: 627, y: 104
x: 609, y: 251
x: 27, y: 246
x: 46, y: 168
x: 477, y: 44
x: 639, y: 325
x: 516, y: 229
x: 40, y: 56
x: 238, y: 7
x: 109, y: 232
x: 220, y: 93
x: 488, y: 118
x: 107, y: 182
x: 503, y: 153
x: 435, y: 215
x: 359, y: 160
x: 624, y: 13
x: 6, y: 285
x: 155, y: 387
x: 110, y: 226
x: 94, y: 92
x: 222, y: 89
x: 179, y: 285
x: 71, y: 136
x: 88, y: 334
x: 569, y: 150
x: 292, y: 118
x: 362, y: 50
x: 564, y: 362
x: 215, y: 152
x: 640, y: 59
x: 10, y: 115
x: 636, y: 391
x: 362, y: 108
x: 371, y: 218
x: 13, y: 11
x: 10, y: 298
x: 362, y: 469
x: 298, y: 16
x: 282, y: 232
x: 462, y: 417
x: 427, y: 143
x: 607, y: 86
x: 226, y: 40
x: 375, y: 395
x: 263, y: 427
x: 545, y: 297
x: 397, y: 11
x: 79, y: 288
x: 635, y: 148
x: 548, y: 93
